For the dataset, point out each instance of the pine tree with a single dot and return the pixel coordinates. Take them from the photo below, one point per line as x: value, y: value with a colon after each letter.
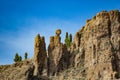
x: 17, y: 58
x: 66, y: 34
x: 70, y: 37
x: 67, y: 42
x: 26, y: 55
x: 20, y: 59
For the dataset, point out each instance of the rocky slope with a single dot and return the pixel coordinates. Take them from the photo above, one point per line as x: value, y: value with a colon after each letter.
x: 93, y: 55
x: 17, y: 71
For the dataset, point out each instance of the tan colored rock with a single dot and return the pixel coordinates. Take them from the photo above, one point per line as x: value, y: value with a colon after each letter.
x: 77, y: 40
x: 39, y: 55
x: 57, y: 40
x: 52, y: 40
x: 100, y: 41
x: 94, y: 54
x: 58, y: 59
x: 58, y: 32
x: 18, y: 71
x: 58, y: 55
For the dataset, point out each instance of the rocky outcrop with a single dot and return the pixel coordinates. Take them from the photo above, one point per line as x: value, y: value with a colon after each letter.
x: 40, y: 55
x: 58, y: 55
x: 99, y: 40
x: 93, y: 55
x: 77, y: 52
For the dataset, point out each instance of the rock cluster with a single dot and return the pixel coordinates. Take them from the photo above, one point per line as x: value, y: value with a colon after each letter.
x: 96, y: 47
x: 57, y: 58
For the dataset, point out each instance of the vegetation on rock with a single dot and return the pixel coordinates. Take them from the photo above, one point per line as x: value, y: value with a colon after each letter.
x: 26, y: 55
x: 93, y: 55
x: 68, y: 39
x: 17, y: 58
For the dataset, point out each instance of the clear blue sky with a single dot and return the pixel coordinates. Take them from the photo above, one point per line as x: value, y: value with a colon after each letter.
x: 22, y: 20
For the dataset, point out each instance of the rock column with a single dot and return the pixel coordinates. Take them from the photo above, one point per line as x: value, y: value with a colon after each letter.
x: 39, y: 55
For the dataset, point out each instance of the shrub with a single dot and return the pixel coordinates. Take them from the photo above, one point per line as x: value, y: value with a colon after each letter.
x: 68, y: 40
x: 26, y: 55
x: 17, y: 58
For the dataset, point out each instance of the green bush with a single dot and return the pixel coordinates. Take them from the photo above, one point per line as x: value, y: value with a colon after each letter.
x: 68, y: 40
x: 70, y: 37
x: 17, y: 58
x: 26, y: 55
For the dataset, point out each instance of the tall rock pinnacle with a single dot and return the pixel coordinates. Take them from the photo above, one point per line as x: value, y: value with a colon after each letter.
x: 58, y: 55
x: 39, y: 55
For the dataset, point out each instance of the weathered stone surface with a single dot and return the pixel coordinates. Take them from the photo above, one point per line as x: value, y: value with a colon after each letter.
x: 100, y: 41
x: 39, y: 55
x: 57, y: 40
x: 58, y: 55
x: 52, y: 40
x: 94, y: 54
x: 17, y: 71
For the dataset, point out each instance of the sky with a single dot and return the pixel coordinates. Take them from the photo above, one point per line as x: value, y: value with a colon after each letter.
x: 22, y: 20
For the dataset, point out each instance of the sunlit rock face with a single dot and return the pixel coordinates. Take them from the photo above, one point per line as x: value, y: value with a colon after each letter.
x: 58, y: 55
x: 39, y: 55
x: 93, y: 55
x: 99, y: 41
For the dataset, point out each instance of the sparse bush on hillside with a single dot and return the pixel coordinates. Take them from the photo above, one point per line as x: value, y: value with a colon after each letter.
x: 70, y: 36
x: 26, y: 55
x: 20, y: 58
x: 17, y: 58
x: 68, y: 39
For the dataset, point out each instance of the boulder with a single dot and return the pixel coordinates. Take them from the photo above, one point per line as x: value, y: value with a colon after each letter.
x: 58, y: 32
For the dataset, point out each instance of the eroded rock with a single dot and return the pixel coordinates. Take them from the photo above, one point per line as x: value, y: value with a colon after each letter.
x: 39, y: 55
x: 100, y: 41
x: 58, y: 55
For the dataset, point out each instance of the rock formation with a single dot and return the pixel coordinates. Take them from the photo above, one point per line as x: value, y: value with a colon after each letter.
x: 100, y: 40
x: 39, y: 55
x: 58, y: 55
x: 93, y: 55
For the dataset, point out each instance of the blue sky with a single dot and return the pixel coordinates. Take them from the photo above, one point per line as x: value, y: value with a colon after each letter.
x: 22, y: 20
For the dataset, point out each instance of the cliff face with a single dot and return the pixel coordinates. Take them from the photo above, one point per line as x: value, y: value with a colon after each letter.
x: 99, y: 41
x: 93, y: 55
